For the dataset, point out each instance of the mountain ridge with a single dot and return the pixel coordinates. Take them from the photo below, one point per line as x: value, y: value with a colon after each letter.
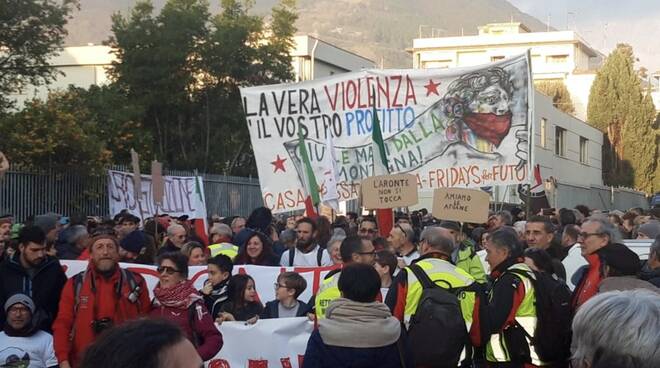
x: 380, y: 30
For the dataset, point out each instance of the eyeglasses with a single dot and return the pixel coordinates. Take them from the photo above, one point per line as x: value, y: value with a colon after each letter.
x: 586, y: 235
x: 277, y: 285
x: 18, y: 310
x: 370, y: 231
x: 168, y: 270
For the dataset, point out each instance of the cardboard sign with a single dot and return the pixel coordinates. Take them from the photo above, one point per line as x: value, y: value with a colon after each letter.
x: 389, y: 191
x: 137, y: 184
x: 464, y: 205
x: 158, y: 182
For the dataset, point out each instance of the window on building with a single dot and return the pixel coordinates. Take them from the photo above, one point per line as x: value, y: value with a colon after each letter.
x: 496, y: 58
x: 584, y: 150
x: 556, y: 59
x: 560, y: 141
x: 440, y: 64
x: 544, y: 123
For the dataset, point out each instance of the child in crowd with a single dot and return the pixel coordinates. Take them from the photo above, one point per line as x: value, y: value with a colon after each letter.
x: 215, y: 290
x: 288, y: 288
x: 243, y: 302
x: 386, y: 265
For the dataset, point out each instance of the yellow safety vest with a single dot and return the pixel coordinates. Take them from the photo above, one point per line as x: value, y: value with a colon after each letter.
x: 228, y: 249
x: 440, y: 270
x: 496, y: 349
x: 328, y: 291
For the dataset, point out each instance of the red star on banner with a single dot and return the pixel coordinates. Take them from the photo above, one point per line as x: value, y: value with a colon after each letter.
x: 432, y: 88
x: 279, y: 164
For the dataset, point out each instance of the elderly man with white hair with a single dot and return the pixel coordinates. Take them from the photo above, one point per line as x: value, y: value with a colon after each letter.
x: 618, y: 329
x: 176, y: 238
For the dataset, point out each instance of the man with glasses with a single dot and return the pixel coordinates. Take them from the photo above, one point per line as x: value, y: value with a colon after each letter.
x: 32, y: 272
x: 368, y: 228
x: 22, y: 344
x: 597, y: 237
x: 102, y: 296
x: 353, y: 249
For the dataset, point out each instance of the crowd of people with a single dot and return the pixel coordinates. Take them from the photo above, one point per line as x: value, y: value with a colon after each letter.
x: 418, y: 296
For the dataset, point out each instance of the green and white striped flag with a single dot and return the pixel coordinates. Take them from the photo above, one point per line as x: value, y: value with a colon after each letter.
x: 309, y: 179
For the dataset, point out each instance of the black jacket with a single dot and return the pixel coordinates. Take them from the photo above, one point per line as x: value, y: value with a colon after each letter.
x: 44, y: 287
x: 271, y: 310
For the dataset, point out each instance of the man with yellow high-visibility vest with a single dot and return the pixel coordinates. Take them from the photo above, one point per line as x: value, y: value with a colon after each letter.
x: 510, y: 316
x: 353, y: 249
x: 410, y: 290
x: 228, y: 249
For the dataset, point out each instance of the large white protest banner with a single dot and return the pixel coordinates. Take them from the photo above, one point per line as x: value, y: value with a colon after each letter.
x: 264, y: 276
x: 463, y: 127
x: 183, y: 195
x: 286, y: 337
x: 270, y: 343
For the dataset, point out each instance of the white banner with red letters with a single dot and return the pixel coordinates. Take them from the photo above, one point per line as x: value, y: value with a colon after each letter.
x: 279, y: 342
x: 458, y: 127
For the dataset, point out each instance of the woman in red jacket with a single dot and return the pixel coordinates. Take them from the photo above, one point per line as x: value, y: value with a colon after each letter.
x: 176, y: 300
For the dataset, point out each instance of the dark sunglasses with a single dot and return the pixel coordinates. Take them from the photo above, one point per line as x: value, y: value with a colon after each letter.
x: 370, y: 231
x: 168, y: 270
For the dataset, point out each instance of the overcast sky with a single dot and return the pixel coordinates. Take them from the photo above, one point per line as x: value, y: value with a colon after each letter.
x: 604, y: 23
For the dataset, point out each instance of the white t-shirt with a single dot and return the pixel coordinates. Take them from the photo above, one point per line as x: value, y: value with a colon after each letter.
x: 36, y: 351
x: 301, y: 259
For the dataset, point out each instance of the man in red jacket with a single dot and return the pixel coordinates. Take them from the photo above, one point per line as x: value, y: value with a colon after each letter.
x: 96, y: 299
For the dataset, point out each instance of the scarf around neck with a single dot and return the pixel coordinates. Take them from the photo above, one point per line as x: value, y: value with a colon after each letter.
x: 359, y: 325
x: 181, y: 296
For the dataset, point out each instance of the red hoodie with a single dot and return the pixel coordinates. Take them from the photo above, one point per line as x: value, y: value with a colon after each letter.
x: 72, y: 330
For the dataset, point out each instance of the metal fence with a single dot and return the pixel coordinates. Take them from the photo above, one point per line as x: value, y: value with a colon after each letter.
x: 24, y: 193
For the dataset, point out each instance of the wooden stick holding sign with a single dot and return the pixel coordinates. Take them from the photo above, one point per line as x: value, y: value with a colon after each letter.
x: 463, y: 205
x: 137, y: 181
x: 389, y: 191
x: 157, y: 190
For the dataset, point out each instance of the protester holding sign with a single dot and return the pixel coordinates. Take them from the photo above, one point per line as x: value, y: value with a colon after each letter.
x: 307, y: 253
x: 243, y: 303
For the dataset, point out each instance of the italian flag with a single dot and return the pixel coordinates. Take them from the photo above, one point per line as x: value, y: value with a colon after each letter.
x: 200, y: 224
x: 309, y: 179
x: 384, y: 216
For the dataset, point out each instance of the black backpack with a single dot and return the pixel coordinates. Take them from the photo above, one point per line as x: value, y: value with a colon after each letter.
x: 437, y: 331
x: 552, y: 337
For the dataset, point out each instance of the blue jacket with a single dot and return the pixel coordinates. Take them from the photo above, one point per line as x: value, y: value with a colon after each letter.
x: 320, y: 355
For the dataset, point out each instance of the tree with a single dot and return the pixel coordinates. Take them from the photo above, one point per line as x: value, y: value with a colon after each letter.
x: 626, y: 115
x: 31, y: 32
x: 86, y: 129
x: 52, y: 134
x: 184, y: 68
x: 557, y: 91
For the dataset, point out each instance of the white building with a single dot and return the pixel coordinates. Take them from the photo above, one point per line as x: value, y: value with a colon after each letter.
x: 557, y: 55
x: 83, y: 66
x: 314, y: 58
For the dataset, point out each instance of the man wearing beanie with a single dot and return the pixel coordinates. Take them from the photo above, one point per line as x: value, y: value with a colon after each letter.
x: 621, y: 269
x: 102, y: 296
x: 32, y: 272
x: 22, y: 344
x: 50, y: 224
x: 131, y: 245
